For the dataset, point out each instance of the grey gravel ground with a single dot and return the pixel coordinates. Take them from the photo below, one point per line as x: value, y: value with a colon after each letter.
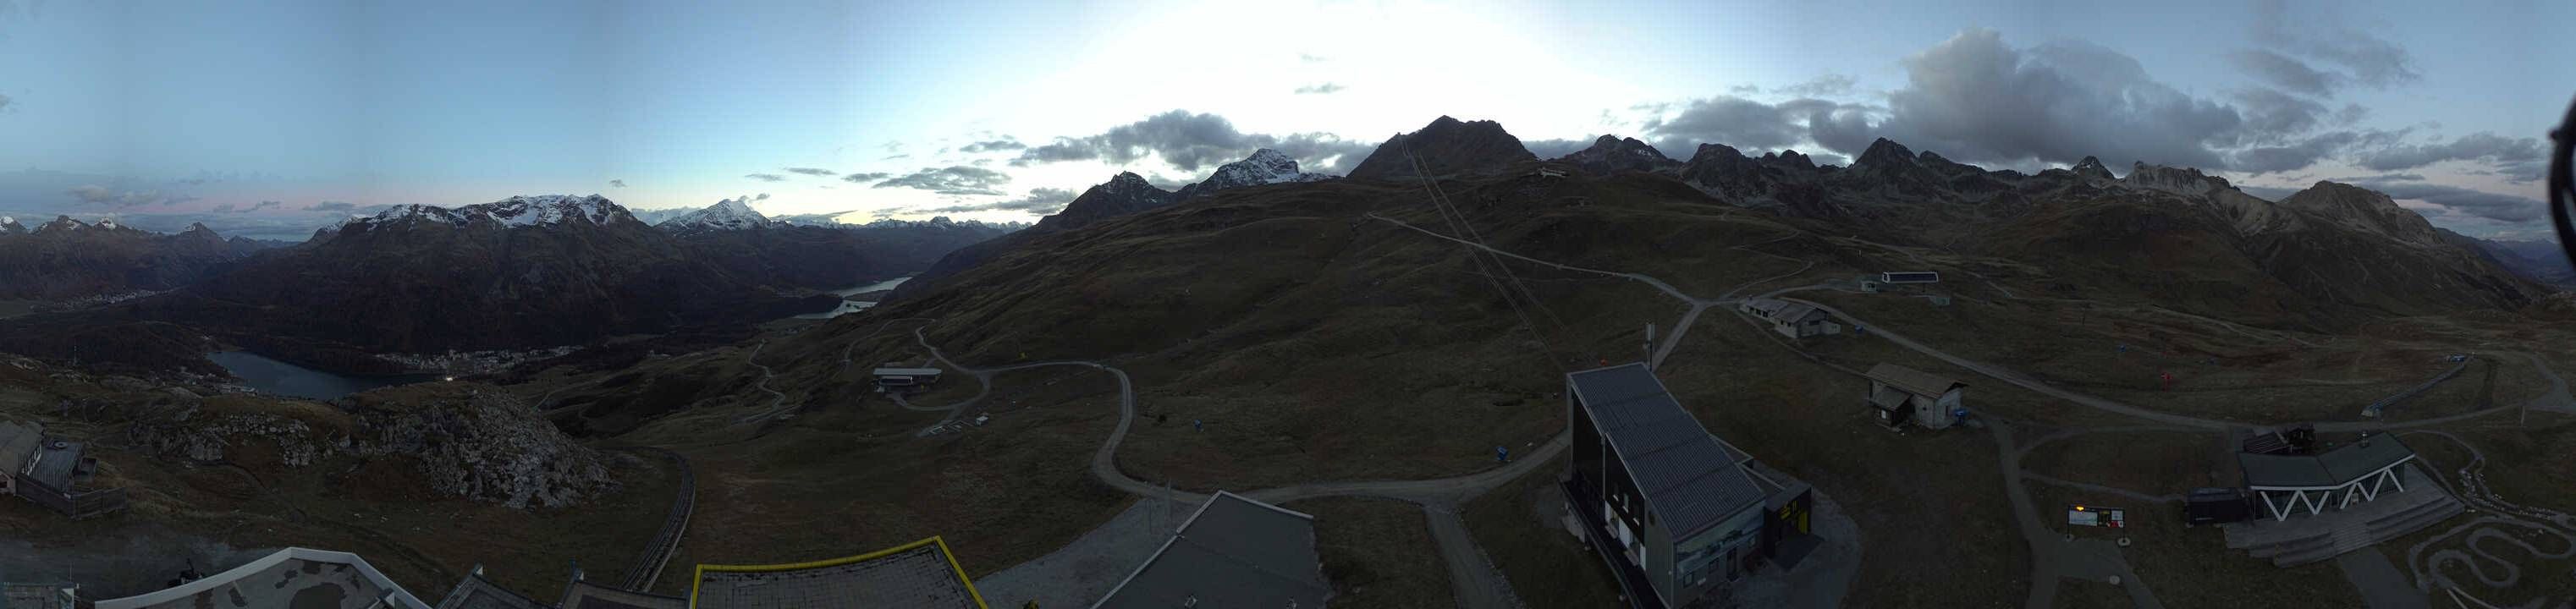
x: 1083, y: 571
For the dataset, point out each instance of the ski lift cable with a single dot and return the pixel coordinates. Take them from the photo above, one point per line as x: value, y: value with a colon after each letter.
x: 1548, y: 345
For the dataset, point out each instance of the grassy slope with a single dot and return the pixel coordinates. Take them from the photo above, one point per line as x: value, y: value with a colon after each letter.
x: 1378, y: 553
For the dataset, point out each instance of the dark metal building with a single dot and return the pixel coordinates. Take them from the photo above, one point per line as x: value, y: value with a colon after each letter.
x: 1672, y: 510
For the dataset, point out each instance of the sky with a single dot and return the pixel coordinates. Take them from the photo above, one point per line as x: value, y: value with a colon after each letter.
x: 273, y: 118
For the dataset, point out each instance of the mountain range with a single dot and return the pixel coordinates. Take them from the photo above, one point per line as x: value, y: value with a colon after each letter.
x: 819, y: 257
x: 523, y: 272
x: 67, y: 258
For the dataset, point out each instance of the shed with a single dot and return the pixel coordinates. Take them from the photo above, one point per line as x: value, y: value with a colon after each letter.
x: 1901, y: 395
x: 1792, y: 319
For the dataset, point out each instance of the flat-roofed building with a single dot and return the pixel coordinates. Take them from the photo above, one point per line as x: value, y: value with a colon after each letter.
x: 301, y: 578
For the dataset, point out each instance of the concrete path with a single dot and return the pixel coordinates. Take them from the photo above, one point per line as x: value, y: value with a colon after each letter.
x: 2381, y: 586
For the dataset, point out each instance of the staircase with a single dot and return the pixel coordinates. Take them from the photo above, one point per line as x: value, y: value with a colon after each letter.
x: 2305, y: 539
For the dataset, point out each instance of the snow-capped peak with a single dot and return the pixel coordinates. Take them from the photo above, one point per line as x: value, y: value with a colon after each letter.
x: 61, y: 223
x: 1265, y: 166
x: 544, y: 210
x: 728, y: 214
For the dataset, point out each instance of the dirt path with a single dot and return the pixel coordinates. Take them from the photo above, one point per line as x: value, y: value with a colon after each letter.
x: 2500, y: 524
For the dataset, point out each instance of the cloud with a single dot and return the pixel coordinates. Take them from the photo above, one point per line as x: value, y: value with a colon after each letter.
x: 1828, y: 85
x: 895, y: 156
x: 2294, y: 156
x: 616, y: 183
x: 865, y: 177
x: 1973, y: 97
x: 1006, y: 143
x: 763, y: 197
x: 229, y: 208
x: 4, y: 102
x: 1734, y: 121
x: 2322, y: 35
x: 1040, y: 201
x: 952, y: 180
x: 341, y: 206
x: 1311, y: 58
x: 1742, y: 90
x: 2517, y: 158
x: 2492, y: 206
x: 1192, y: 141
x: 1319, y: 89
x: 93, y: 194
x: 811, y: 171
x: 2272, y: 117
x: 2285, y: 72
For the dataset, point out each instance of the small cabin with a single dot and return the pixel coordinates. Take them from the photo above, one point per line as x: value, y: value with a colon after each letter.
x: 1909, y: 277
x: 1792, y: 319
x: 907, y: 377
x: 1900, y: 396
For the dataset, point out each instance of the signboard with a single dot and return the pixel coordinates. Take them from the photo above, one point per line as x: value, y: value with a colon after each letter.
x: 2090, y: 516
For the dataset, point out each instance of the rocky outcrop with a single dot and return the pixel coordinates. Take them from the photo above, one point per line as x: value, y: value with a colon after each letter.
x: 484, y: 445
x: 461, y: 440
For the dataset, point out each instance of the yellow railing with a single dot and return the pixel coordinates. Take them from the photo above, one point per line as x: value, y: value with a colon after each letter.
x: 834, y: 562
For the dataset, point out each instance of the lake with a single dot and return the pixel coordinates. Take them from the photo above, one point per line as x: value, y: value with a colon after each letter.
x: 281, y: 378
x: 854, y: 306
x: 881, y: 285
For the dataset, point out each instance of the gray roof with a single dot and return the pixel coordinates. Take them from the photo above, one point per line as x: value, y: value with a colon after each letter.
x: 18, y: 441
x: 1234, y: 552
x: 474, y: 592
x: 1798, y: 312
x: 1889, y: 398
x: 2333, y: 468
x: 1913, y: 381
x: 1686, y: 477
x: 55, y: 469
x: 586, y: 595
x: 1767, y: 305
